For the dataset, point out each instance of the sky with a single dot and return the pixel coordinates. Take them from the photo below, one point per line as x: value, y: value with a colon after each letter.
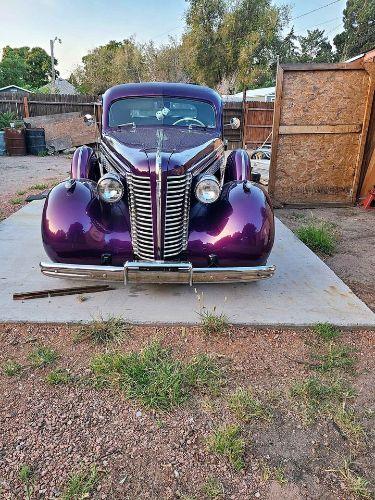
x: 84, y: 24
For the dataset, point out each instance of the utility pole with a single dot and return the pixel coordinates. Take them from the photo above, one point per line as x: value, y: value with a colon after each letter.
x: 52, y: 45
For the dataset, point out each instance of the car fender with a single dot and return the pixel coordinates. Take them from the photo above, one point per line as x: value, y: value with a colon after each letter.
x: 83, y: 164
x: 76, y: 225
x: 238, y: 166
x: 238, y: 229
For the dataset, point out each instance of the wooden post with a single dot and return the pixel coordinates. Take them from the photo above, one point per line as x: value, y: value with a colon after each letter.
x: 26, y: 113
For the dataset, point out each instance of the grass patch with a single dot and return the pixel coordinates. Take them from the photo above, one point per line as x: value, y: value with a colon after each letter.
x: 319, y: 237
x: 60, y: 376
x: 16, y: 201
x: 213, y: 322
x: 316, y: 396
x: 356, y: 484
x: 327, y: 332
x: 213, y: 488
x: 246, y: 407
x: 337, y: 357
x: 273, y: 473
x: 39, y: 187
x: 81, y: 484
x: 227, y: 441
x: 11, y: 368
x: 43, y: 356
x: 346, y: 420
x: 103, y: 331
x: 26, y: 475
x: 21, y: 193
x: 153, y: 376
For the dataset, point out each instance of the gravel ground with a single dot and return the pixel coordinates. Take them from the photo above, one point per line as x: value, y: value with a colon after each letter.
x: 20, y: 174
x: 145, y: 454
x: 354, y: 258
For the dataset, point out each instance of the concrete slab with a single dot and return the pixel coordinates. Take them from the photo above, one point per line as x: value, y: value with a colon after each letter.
x: 303, y: 291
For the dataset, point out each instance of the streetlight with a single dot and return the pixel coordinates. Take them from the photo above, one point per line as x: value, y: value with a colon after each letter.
x: 52, y: 45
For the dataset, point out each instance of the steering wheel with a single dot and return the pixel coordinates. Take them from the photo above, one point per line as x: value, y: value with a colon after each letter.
x: 188, y: 119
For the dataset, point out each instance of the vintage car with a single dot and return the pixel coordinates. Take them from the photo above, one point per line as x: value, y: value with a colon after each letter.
x: 157, y: 201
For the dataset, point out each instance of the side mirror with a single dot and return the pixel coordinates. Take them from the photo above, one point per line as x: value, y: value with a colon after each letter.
x: 234, y: 123
x: 89, y: 120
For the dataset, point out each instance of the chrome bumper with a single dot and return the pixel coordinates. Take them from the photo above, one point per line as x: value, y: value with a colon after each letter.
x: 158, y: 272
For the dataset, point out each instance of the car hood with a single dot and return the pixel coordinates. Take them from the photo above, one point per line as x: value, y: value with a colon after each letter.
x: 179, y: 148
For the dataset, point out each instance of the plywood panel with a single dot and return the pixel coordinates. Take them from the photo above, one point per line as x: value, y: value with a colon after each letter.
x: 324, y: 97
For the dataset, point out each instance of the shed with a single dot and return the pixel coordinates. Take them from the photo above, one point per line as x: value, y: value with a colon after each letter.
x: 265, y: 94
x: 14, y: 88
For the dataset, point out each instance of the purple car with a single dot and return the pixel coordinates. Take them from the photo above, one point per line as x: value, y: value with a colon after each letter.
x: 157, y: 201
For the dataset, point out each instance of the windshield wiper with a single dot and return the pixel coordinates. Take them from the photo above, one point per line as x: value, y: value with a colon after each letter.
x: 204, y: 127
x: 129, y: 124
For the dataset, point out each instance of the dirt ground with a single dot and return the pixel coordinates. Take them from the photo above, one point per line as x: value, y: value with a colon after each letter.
x: 354, y: 258
x: 25, y: 175
x: 146, y: 454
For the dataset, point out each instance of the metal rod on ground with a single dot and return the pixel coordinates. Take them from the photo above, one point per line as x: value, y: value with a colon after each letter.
x: 55, y: 292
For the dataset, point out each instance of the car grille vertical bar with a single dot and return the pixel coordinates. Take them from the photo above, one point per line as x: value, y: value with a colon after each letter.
x: 177, y: 214
x: 139, y: 189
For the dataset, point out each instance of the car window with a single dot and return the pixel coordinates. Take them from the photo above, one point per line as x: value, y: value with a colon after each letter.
x: 171, y: 111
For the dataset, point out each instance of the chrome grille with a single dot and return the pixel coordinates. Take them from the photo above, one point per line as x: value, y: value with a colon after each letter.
x: 177, y: 214
x: 141, y: 216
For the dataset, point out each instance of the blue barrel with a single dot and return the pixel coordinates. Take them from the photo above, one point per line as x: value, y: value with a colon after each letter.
x: 3, y: 150
x: 35, y: 141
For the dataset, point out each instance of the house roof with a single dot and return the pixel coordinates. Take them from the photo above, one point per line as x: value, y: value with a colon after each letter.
x: 14, y: 87
x: 261, y: 92
x: 62, y: 86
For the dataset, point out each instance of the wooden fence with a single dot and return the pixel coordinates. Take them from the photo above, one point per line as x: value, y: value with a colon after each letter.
x: 233, y: 136
x: 257, y: 123
x: 45, y: 104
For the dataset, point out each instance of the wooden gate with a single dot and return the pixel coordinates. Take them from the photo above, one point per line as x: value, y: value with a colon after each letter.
x: 321, y: 119
x: 257, y: 123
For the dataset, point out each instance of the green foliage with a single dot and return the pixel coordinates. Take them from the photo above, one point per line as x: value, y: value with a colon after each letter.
x: 6, y: 119
x: 327, y: 332
x: 16, y: 201
x: 11, y: 368
x: 43, y: 356
x: 81, y: 484
x: 356, y: 484
x: 315, y: 47
x: 25, y: 66
x: 337, y: 357
x: 359, y: 29
x: 246, y: 407
x: 103, y: 331
x: 153, y: 376
x: 318, y: 237
x: 212, y: 322
x: 26, y: 475
x: 39, y: 187
x: 227, y: 441
x: 60, y: 376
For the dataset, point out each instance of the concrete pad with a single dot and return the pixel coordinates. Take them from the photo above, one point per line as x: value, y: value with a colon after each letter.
x: 302, y: 292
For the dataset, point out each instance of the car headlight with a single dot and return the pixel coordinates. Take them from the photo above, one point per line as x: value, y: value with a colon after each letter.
x: 110, y: 188
x: 207, y: 189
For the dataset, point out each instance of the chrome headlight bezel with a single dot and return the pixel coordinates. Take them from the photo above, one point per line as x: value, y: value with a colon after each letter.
x: 207, y: 180
x: 104, y: 181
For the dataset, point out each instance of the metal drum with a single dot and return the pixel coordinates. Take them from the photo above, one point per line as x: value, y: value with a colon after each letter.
x: 3, y: 150
x: 35, y: 141
x: 15, y: 141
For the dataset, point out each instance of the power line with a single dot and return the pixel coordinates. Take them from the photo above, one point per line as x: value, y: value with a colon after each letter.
x: 320, y: 24
x: 314, y: 10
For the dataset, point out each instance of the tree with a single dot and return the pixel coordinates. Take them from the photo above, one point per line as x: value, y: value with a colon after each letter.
x: 26, y: 67
x: 315, y: 47
x: 359, y: 29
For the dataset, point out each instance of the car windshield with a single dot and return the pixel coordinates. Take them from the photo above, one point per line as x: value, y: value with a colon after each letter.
x: 161, y: 110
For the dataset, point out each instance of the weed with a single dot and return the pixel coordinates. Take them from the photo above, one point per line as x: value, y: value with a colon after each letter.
x: 274, y: 473
x: 43, y: 152
x: 227, y: 441
x: 325, y: 331
x: 43, y: 356
x: 337, y: 357
x: 213, y: 488
x: 246, y: 407
x: 212, y: 322
x: 103, y: 331
x: 318, y: 237
x: 153, y: 376
x: 317, y: 396
x: 39, y: 187
x: 16, y: 201
x: 26, y: 475
x: 81, y: 484
x: 11, y: 368
x: 356, y: 484
x: 21, y: 193
x: 60, y: 376
x: 346, y: 420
